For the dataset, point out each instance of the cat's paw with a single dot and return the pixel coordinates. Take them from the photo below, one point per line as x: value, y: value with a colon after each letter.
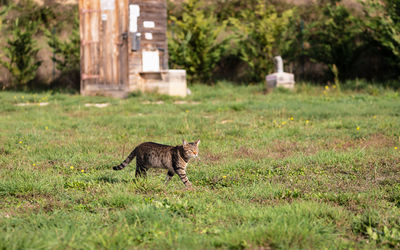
x: 189, y: 187
x: 117, y: 167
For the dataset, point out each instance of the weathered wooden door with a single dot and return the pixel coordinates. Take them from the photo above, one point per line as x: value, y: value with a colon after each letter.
x: 104, y: 45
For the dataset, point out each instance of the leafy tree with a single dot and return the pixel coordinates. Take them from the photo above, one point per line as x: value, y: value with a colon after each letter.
x: 262, y: 34
x: 4, y: 2
x: 31, y: 11
x: 227, y: 9
x: 335, y: 39
x: 383, y: 24
x: 66, y: 53
x: 3, y: 12
x: 195, y: 43
x: 21, y: 53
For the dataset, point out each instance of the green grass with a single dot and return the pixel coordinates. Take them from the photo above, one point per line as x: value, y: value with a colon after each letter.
x: 282, y: 170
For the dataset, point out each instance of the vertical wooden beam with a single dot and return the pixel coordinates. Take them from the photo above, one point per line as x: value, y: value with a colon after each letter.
x: 123, y: 47
x: 165, y: 26
x: 115, y: 45
x: 89, y: 17
x: 81, y: 34
x: 107, y: 44
x: 104, y: 72
x: 95, y: 22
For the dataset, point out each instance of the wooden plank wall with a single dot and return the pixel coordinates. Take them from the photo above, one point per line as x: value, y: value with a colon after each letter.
x: 107, y: 59
x: 89, y: 32
x: 156, y: 11
x: 113, y: 46
x: 123, y: 42
x: 104, y: 48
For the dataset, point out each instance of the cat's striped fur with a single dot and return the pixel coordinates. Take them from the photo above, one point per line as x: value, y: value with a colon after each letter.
x: 154, y: 155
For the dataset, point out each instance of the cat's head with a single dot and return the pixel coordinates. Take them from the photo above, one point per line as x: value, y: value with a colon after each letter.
x: 191, y: 149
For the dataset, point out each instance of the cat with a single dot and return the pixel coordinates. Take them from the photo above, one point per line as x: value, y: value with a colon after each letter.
x: 154, y: 155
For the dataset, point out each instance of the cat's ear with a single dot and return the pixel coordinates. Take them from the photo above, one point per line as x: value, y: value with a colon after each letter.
x: 184, y: 142
x: 197, y: 142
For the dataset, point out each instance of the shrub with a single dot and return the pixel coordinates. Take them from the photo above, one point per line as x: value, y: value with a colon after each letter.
x: 5, y: 2
x: 232, y: 8
x: 335, y: 39
x: 30, y: 11
x: 66, y: 53
x: 262, y: 35
x: 195, y: 43
x: 21, y: 53
x: 382, y: 21
x: 3, y: 12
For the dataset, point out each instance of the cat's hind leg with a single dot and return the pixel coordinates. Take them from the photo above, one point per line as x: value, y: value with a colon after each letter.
x: 170, y: 174
x: 141, y: 169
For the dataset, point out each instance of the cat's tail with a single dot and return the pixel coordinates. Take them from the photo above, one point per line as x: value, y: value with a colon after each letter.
x: 127, y: 161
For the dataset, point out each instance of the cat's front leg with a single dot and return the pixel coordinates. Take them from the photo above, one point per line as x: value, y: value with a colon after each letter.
x: 182, y: 174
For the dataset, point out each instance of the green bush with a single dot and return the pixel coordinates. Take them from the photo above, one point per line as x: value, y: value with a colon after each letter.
x: 382, y: 21
x: 66, y: 54
x: 30, y: 11
x: 5, y: 2
x: 226, y: 9
x: 21, y: 53
x: 195, y: 43
x: 335, y: 39
x: 3, y: 12
x: 262, y: 34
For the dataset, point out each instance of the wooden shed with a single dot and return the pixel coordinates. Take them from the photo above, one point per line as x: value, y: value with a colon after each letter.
x: 124, y: 48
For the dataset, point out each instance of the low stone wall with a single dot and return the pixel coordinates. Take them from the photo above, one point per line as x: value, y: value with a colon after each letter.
x: 167, y: 82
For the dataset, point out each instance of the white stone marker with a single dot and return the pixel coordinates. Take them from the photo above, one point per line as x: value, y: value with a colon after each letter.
x: 280, y: 78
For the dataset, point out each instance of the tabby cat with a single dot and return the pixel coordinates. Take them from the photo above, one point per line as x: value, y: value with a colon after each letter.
x: 154, y: 155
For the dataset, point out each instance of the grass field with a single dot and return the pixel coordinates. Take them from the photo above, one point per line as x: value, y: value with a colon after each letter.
x: 315, y: 168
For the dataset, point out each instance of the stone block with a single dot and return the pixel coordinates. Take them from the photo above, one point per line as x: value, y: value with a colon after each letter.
x: 282, y: 79
x: 166, y: 82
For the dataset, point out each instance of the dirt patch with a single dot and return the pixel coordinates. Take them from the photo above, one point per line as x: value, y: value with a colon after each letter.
x: 265, y: 246
x: 186, y: 102
x: 149, y: 102
x: 277, y: 150
x: 385, y: 171
x: 245, y: 152
x: 273, y: 201
x: 225, y: 121
x: 373, y: 141
x: 97, y: 105
x: 282, y: 149
x: 41, y: 104
x: 49, y: 164
x: 209, y: 157
x: 377, y: 140
x: 35, y: 203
